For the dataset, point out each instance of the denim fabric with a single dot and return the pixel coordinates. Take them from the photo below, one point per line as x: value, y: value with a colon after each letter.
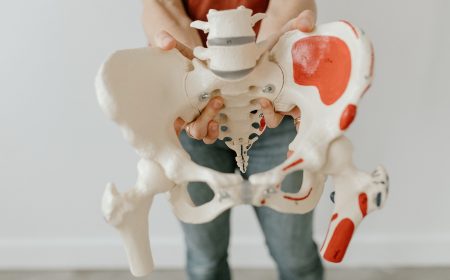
x: 288, y: 236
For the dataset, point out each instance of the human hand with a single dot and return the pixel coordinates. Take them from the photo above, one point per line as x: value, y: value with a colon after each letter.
x: 203, y: 127
x: 304, y: 22
x: 165, y: 41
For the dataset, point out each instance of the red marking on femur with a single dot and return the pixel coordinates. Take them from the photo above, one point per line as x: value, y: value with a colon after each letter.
x: 298, y: 198
x: 340, y: 240
x: 293, y: 164
x: 363, y: 204
x: 334, y: 217
x: 262, y: 124
x: 352, y: 27
x: 323, y: 62
x: 263, y: 201
x: 347, y: 116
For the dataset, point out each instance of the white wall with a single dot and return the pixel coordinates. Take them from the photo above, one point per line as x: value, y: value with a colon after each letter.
x: 57, y: 150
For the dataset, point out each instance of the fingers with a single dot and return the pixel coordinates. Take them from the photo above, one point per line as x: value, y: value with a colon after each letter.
x: 178, y: 125
x: 294, y: 113
x: 304, y: 22
x: 273, y: 119
x: 204, y: 128
x: 166, y: 42
x: 212, y: 134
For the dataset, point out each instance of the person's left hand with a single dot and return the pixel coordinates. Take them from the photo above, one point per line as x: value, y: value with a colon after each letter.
x: 304, y: 22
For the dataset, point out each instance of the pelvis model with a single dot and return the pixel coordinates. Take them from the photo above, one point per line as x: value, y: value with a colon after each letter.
x: 324, y: 73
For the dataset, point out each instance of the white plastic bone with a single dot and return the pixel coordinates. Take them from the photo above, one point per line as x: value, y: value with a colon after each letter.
x: 231, y: 40
x: 324, y: 73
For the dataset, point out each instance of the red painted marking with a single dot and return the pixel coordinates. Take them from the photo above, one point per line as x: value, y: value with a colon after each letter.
x: 372, y: 67
x: 326, y: 236
x: 372, y: 60
x: 293, y: 164
x: 263, y: 201
x: 339, y: 241
x: 298, y: 198
x: 262, y: 124
x: 323, y: 62
x: 334, y: 217
x: 366, y: 89
x: 352, y: 27
x: 363, y: 204
x: 347, y: 116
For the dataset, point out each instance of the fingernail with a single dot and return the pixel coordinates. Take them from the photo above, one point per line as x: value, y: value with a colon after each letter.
x: 264, y: 104
x: 217, y: 104
x: 166, y: 40
x: 305, y: 23
x: 214, y: 127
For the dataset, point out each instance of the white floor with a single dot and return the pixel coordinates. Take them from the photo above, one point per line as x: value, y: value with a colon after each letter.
x: 334, y: 274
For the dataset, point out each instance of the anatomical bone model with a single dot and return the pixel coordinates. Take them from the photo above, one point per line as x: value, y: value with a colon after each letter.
x: 324, y: 73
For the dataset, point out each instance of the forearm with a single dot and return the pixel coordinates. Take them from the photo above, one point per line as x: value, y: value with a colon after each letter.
x: 168, y: 15
x: 280, y: 12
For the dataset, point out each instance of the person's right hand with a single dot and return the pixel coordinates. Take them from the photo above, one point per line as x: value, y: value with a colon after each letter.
x: 203, y: 127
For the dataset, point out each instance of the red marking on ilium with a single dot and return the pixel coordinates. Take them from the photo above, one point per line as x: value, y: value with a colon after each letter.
x: 363, y: 203
x: 323, y: 62
x: 263, y: 201
x: 352, y: 27
x: 298, y: 198
x: 262, y: 124
x: 347, y: 116
x: 293, y: 164
x: 340, y: 240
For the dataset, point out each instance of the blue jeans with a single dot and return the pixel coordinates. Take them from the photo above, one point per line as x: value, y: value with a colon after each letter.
x: 288, y: 236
